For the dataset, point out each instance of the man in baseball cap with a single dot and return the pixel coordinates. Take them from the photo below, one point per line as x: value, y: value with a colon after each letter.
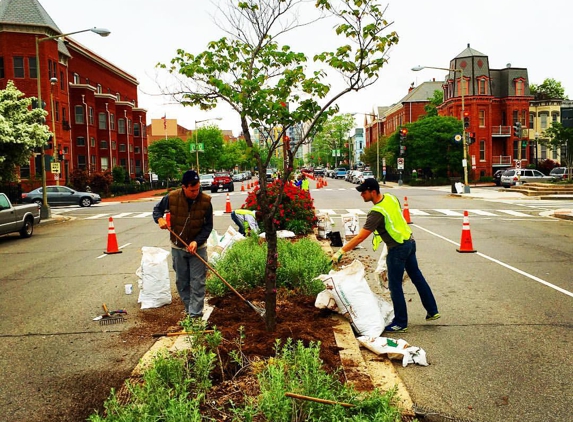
x: 386, y: 221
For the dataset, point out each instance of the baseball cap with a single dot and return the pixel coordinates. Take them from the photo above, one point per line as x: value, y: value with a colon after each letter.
x: 189, y: 177
x: 368, y: 184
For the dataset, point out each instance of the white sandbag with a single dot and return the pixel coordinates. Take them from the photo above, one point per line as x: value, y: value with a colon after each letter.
x: 381, y: 271
x: 281, y: 234
x: 351, y: 225
x: 229, y: 238
x: 354, y: 299
x: 325, y: 300
x: 154, y: 283
x: 395, y: 349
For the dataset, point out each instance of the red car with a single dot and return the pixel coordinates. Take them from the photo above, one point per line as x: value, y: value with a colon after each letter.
x: 222, y: 181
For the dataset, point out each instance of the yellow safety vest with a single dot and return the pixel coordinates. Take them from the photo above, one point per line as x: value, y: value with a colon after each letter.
x: 394, y: 221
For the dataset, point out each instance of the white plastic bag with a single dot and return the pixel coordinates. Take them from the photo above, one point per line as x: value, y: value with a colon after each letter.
x: 154, y: 283
x: 395, y: 349
x: 354, y: 299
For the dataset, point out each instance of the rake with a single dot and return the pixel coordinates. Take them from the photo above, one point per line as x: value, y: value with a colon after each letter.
x: 108, y: 319
x: 255, y: 308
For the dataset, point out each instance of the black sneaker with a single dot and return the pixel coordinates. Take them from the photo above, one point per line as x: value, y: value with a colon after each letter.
x: 433, y: 317
x: 393, y: 328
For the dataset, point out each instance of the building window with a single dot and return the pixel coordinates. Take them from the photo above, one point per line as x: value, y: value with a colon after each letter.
x: 531, y: 120
x: 25, y: 171
x: 18, y: 67
x: 82, y: 162
x: 482, y: 86
x: 121, y: 126
x: 57, y: 111
x: 130, y: 148
x: 121, y: 147
x: 543, y: 152
x: 77, y: 79
x: 482, y: 150
x: 137, y: 150
x: 98, y: 88
x: 481, y: 117
x: 92, y: 143
x: 102, y: 144
x: 32, y: 69
x: 122, y: 162
x: 91, y: 116
x: 554, y: 117
x: 515, y: 116
x: 519, y: 87
x: 112, y: 121
x: 136, y: 129
x: 81, y: 141
x: 79, y: 112
x: 118, y: 96
x: 543, y: 121
x: 129, y: 126
x: 2, y: 74
x: 113, y: 145
x: 62, y: 81
x: 104, y: 163
x: 102, y: 121
x: 93, y: 161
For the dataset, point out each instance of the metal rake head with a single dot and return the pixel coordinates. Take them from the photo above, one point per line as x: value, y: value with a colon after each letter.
x: 112, y: 320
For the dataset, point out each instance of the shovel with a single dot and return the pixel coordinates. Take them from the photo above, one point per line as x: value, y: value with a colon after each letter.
x: 257, y: 309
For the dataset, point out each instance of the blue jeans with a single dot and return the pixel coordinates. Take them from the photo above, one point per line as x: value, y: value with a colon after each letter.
x: 190, y: 275
x: 238, y: 222
x: 400, y: 258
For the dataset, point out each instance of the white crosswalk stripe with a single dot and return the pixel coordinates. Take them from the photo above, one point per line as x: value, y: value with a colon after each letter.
x: 143, y: 215
x: 95, y: 217
x: 328, y: 212
x: 122, y: 215
x: 482, y: 212
x: 358, y: 212
x: 418, y: 212
x: 450, y: 212
x: 515, y: 213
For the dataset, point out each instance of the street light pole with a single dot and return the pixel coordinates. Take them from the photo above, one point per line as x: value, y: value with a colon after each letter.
x: 45, y: 211
x: 462, y: 95
x: 197, y: 137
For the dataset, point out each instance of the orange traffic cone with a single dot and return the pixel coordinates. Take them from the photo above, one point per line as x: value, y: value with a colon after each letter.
x: 466, y: 242
x: 228, y: 205
x: 111, y: 239
x: 242, y: 186
x: 325, y: 182
x: 406, y: 211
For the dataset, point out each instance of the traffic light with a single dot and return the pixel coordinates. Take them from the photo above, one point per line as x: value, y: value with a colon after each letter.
x: 471, y: 138
x: 60, y: 155
x: 403, y: 134
x: 402, y: 149
x: 517, y: 130
x: 466, y: 119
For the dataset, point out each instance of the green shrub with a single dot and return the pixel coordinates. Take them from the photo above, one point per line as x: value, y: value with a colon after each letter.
x: 243, y: 266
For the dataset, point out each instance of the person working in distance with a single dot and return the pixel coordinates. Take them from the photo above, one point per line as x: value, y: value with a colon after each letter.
x: 245, y: 220
x: 192, y: 220
x: 386, y: 221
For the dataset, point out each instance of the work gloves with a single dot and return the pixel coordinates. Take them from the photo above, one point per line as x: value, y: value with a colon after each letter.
x: 337, y: 256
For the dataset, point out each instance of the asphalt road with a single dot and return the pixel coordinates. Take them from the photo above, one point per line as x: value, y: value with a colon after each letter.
x: 500, y: 352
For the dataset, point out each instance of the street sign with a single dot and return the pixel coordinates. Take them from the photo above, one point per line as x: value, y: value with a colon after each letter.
x: 400, y: 164
x: 200, y: 147
x: 55, y: 167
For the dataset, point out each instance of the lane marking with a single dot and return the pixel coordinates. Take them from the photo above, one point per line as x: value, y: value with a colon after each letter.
x: 121, y: 215
x: 93, y: 217
x: 503, y: 264
x: 120, y: 247
x: 515, y: 213
x: 482, y: 212
x: 450, y: 212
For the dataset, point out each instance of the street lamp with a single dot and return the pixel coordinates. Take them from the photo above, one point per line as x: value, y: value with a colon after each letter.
x: 462, y: 94
x: 196, y: 138
x: 45, y: 211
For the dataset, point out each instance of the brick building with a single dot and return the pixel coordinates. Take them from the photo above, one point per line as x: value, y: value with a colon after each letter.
x: 494, y: 100
x: 92, y: 104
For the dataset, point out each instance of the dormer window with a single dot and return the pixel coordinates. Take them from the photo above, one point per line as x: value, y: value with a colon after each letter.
x: 482, y: 83
x: 519, y: 86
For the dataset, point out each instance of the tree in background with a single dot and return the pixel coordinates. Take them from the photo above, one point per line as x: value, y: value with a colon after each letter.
x: 333, y: 137
x: 21, y: 130
x: 560, y: 137
x: 169, y: 158
x: 271, y: 87
x: 549, y: 89
x: 431, y: 108
x: 430, y: 146
x: 212, y: 139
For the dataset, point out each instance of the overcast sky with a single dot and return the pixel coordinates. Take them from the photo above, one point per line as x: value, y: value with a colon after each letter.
x: 526, y: 33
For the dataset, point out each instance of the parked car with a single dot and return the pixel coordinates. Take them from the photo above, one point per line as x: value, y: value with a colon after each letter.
x: 319, y: 171
x: 222, y: 181
x: 238, y: 177
x: 340, y: 173
x: 509, y: 177
x: 497, y: 176
x: 559, y: 173
x: 356, y: 176
x: 206, y: 180
x: 365, y: 175
x: 18, y: 218
x: 61, y: 195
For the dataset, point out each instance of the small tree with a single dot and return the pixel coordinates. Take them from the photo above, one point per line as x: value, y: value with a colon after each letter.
x: 168, y: 158
x: 119, y: 174
x: 271, y: 88
x: 21, y: 130
x: 561, y: 137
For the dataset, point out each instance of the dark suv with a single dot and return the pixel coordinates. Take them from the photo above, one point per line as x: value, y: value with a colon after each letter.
x: 222, y: 181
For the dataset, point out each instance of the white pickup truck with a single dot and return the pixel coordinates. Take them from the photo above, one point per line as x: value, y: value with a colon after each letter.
x: 18, y: 218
